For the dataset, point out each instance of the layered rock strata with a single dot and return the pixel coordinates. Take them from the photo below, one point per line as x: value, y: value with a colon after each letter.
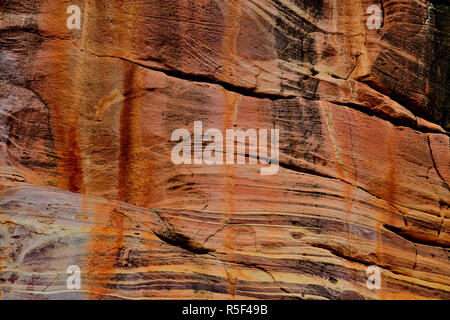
x: 87, y: 177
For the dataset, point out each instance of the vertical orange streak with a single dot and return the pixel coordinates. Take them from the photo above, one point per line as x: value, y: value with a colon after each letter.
x: 129, y: 186
x: 64, y: 113
x: 73, y: 165
x: 126, y: 138
x: 129, y: 175
x: 230, y: 38
x: 231, y: 99
x: 105, y: 246
x: 390, y: 198
x: 107, y: 233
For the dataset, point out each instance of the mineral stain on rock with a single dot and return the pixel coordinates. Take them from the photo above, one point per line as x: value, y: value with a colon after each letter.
x: 86, y: 176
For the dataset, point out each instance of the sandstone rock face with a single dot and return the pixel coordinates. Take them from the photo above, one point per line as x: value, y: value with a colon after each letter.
x: 87, y: 178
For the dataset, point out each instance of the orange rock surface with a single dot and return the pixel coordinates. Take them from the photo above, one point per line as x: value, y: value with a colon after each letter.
x: 87, y: 179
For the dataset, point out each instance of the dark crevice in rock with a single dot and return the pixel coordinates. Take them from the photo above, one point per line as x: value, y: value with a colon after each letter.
x: 296, y: 168
x: 249, y: 92
x: 434, y: 163
x: 384, y: 14
x: 252, y: 93
x: 341, y: 254
x: 176, y: 239
x: 409, y: 103
x: 410, y: 238
x: 395, y: 121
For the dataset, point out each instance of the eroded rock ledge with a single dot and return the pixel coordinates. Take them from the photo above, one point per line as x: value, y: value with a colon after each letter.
x: 86, y: 175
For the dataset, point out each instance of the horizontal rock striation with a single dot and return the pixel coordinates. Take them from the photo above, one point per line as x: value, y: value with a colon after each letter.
x: 87, y: 179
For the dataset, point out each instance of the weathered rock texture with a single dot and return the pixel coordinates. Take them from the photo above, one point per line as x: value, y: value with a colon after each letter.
x: 87, y: 179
